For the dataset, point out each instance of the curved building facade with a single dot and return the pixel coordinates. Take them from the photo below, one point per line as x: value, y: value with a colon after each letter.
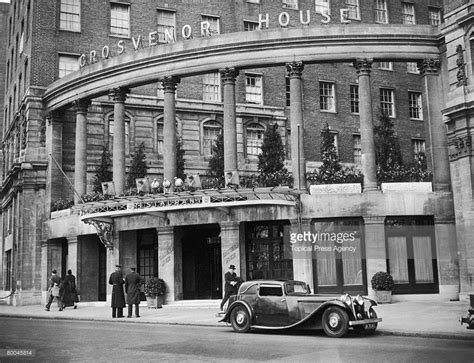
x: 162, y: 74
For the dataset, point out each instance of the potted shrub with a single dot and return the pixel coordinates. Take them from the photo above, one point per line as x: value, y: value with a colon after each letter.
x: 155, y: 289
x: 382, y: 284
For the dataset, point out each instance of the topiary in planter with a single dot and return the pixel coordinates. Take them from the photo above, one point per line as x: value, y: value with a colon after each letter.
x: 155, y: 287
x: 382, y: 281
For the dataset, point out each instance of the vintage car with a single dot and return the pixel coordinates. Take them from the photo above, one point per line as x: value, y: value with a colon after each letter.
x: 272, y: 305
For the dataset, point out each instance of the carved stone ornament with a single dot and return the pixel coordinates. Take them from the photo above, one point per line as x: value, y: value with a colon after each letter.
x: 461, y: 74
x: 429, y: 66
x: 104, y: 231
x: 460, y: 146
x: 363, y: 65
x: 295, y: 69
x: 169, y: 83
x: 119, y: 94
x: 228, y: 75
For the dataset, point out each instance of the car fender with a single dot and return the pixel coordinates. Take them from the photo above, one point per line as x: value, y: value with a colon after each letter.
x: 226, y: 318
x: 315, y: 317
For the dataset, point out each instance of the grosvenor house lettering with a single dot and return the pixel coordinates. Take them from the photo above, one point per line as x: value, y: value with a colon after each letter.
x: 169, y: 36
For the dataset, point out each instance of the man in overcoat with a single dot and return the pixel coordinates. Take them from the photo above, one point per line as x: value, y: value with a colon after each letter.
x: 133, y: 281
x: 230, y: 278
x: 118, y: 297
x: 53, y: 291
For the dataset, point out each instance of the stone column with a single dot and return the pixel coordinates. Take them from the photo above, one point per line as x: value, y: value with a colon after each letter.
x: 166, y: 261
x: 113, y: 258
x: 228, y: 77
x: 302, y: 252
x: 298, y: 163
x: 433, y: 101
x: 118, y: 158
x: 375, y: 251
x: 170, y: 166
x: 73, y: 258
x: 448, y: 262
x: 230, y: 248
x: 45, y: 273
x: 80, y: 162
x: 363, y: 67
x: 54, y: 178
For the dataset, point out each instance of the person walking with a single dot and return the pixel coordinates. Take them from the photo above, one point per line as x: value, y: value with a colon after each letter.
x: 118, y: 297
x: 230, y: 278
x: 54, y: 288
x: 133, y: 281
x: 69, y: 292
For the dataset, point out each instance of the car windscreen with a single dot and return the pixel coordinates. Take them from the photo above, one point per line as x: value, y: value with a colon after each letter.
x: 296, y: 288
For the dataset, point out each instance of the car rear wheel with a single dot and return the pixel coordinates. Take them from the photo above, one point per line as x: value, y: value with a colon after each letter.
x: 335, y: 322
x: 240, y: 319
x: 368, y: 328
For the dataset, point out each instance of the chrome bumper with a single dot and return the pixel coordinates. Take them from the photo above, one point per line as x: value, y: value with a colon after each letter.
x: 365, y: 321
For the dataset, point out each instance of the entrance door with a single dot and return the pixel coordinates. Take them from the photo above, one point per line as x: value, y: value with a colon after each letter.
x: 202, y: 267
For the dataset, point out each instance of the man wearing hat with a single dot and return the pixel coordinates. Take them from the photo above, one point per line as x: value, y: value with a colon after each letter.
x: 230, y: 278
x: 133, y: 282
x: 53, y: 291
x: 118, y: 297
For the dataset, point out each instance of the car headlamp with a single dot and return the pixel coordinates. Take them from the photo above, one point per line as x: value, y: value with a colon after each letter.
x: 359, y: 300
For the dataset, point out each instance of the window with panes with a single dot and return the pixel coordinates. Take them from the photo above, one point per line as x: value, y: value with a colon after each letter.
x: 381, y: 12
x: 253, y: 88
x: 8, y: 270
x: 70, y: 15
x: 211, y: 87
x: 418, y: 147
x: 127, y: 134
x: 166, y: 26
x: 120, y: 19
x: 159, y: 139
x: 290, y: 4
x: 357, y: 149
x: 353, y: 7
x: 67, y: 64
x: 211, y: 130
x: 322, y: 6
x: 412, y: 67
x: 387, y: 105
x: 387, y: 66
x: 214, y: 25
x: 250, y: 26
x: 354, y: 98
x: 434, y: 16
x: 254, y: 138
x: 287, y: 91
x: 415, y: 105
x: 327, y: 96
x: 408, y: 13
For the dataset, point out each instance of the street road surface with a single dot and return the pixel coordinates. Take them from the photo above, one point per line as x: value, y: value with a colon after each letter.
x: 121, y: 341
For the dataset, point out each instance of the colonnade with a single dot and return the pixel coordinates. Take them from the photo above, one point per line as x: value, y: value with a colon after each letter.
x: 431, y: 86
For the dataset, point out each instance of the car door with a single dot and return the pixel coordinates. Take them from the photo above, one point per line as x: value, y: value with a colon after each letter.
x: 271, y: 307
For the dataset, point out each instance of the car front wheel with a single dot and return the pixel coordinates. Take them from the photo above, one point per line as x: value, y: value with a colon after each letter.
x: 240, y: 319
x: 335, y: 322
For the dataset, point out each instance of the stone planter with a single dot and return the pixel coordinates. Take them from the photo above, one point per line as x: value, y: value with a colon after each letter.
x: 382, y: 296
x: 155, y: 302
x: 348, y: 188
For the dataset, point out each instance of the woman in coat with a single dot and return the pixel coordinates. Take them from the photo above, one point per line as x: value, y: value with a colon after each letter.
x: 118, y: 297
x: 69, y: 293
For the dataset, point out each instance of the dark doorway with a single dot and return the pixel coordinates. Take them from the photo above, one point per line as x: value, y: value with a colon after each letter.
x: 202, y: 267
x: 102, y: 275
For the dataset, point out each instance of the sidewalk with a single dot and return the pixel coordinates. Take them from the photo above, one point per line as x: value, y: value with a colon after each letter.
x: 427, y: 319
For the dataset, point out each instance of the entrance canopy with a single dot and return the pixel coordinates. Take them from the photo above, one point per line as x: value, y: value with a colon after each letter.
x: 275, y: 47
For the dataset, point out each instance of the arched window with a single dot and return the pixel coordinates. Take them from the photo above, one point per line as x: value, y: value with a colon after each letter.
x: 254, y: 133
x: 127, y: 134
x: 210, y: 131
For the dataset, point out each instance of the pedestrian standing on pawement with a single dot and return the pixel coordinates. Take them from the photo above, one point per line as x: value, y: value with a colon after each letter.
x: 118, y: 297
x: 54, y: 288
x: 133, y: 281
x: 69, y: 292
x: 230, y: 278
